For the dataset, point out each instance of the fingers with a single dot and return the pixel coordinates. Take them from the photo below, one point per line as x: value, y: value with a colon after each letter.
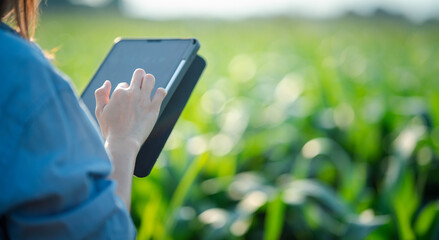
x: 157, y: 100
x: 148, y: 85
x: 102, y: 96
x: 136, y: 80
x: 122, y: 85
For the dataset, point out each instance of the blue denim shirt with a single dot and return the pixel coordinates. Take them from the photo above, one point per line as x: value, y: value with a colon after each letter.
x: 53, y: 165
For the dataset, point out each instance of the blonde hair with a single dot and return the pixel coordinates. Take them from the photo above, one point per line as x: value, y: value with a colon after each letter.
x: 21, y: 14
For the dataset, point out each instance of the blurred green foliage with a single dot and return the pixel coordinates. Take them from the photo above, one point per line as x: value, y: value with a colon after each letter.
x: 297, y: 130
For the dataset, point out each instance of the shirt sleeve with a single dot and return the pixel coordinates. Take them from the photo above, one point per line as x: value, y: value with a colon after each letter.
x: 58, y: 186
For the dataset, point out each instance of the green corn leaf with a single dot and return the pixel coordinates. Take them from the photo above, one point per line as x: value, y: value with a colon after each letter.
x: 275, y: 218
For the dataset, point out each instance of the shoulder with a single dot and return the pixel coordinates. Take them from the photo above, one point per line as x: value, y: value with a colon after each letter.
x: 16, y: 51
x: 29, y: 81
x: 27, y: 77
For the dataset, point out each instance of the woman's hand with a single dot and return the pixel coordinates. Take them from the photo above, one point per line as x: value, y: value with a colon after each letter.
x: 126, y: 120
x: 130, y: 114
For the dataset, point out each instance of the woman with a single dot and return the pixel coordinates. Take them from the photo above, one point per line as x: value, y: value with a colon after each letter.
x: 56, y: 177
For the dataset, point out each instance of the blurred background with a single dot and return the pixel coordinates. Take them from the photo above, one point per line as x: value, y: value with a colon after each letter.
x: 313, y: 119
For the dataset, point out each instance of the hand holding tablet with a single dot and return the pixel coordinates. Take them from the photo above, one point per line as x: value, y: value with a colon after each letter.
x: 130, y: 114
x: 176, y: 68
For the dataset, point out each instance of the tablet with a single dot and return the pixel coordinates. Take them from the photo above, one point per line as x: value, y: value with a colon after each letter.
x: 176, y: 67
x: 166, y: 59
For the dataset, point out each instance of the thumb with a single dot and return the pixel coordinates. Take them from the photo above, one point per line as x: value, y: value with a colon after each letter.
x: 102, y: 96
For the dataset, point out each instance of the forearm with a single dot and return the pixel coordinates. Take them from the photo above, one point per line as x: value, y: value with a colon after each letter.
x: 123, y: 155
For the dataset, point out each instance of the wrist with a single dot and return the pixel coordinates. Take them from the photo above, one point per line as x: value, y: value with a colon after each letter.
x: 122, y: 149
x: 123, y: 153
x: 123, y: 143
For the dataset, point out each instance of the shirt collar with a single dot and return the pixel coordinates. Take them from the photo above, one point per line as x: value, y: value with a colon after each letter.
x: 7, y: 28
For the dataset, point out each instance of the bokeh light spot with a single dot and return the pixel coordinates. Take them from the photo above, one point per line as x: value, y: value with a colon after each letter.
x: 216, y: 217
x: 196, y: 145
x: 242, y: 68
x: 213, y: 101
x: 311, y: 149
